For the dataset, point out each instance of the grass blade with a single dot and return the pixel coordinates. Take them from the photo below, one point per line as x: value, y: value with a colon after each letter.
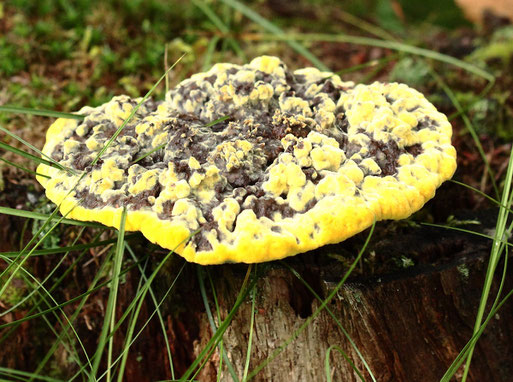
x: 23, y: 168
x: 218, y: 120
x: 309, y: 320
x: 68, y: 302
x: 47, y: 277
x: 481, y: 193
x: 25, y: 374
x: 218, y: 311
x: 222, y: 27
x: 129, y: 341
x: 111, y: 303
x: 339, y: 324
x: 465, y: 351
x: 327, y: 367
x: 494, y: 257
x: 157, y: 309
x: 161, y: 146
x: 35, y: 149
x: 31, y: 157
x: 77, y: 247
x: 210, y: 124
x: 365, y: 25
x: 393, y: 45
x: 50, y: 290
x: 43, y: 113
x: 41, y: 216
x: 466, y: 231
x: 203, y: 292
x: 77, y: 311
x: 270, y: 27
x: 139, y: 299
x: 134, y: 110
x: 469, y: 127
x: 251, y: 328
x: 217, y: 336
x: 368, y: 64
x: 150, y: 152
x: 26, y: 276
x: 17, y: 265
x: 207, y: 61
x: 212, y: 16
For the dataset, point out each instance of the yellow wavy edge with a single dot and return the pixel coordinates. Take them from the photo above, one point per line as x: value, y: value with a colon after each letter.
x: 392, y: 200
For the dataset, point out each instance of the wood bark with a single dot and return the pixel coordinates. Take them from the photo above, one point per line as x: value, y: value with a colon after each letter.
x: 407, y: 328
x: 408, y: 325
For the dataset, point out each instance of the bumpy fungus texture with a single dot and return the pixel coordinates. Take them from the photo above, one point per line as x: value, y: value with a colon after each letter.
x: 303, y: 160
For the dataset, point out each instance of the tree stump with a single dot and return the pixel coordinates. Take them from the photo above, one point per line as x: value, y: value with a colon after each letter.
x: 408, y: 322
x: 409, y: 325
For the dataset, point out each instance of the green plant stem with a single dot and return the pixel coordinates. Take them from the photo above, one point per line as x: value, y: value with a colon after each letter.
x: 472, y: 342
x: 68, y: 302
x: 327, y: 368
x: 33, y: 158
x: 157, y: 310
x: 468, y: 125
x: 23, y: 168
x: 203, y: 292
x: 34, y: 148
x: 251, y: 328
x: 494, y: 257
x: 218, y: 311
x: 134, y: 110
x: 217, y: 336
x: 41, y: 216
x: 111, y: 303
x: 25, y: 251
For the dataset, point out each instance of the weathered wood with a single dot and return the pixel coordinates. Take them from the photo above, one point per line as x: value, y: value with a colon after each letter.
x: 409, y: 325
x: 408, y: 328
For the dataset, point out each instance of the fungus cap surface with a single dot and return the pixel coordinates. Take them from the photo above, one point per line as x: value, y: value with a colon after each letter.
x: 296, y: 161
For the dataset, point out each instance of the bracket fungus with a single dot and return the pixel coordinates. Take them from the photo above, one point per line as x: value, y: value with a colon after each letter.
x: 262, y: 162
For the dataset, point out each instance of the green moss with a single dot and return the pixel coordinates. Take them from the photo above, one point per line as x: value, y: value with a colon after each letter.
x: 15, y: 291
x: 463, y: 271
x: 15, y: 63
x: 53, y: 238
x: 410, y: 70
x: 500, y: 47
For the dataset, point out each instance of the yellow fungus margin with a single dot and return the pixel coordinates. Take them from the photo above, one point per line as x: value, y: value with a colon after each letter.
x: 333, y: 191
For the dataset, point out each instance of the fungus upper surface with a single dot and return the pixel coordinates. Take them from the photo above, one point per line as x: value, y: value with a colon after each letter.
x: 297, y: 160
